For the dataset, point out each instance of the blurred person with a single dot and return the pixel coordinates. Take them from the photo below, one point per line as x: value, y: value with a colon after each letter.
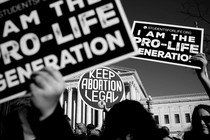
x: 200, y: 125
x: 39, y: 116
x: 95, y: 134
x: 89, y: 128
x: 81, y: 131
x: 129, y: 120
x: 165, y: 133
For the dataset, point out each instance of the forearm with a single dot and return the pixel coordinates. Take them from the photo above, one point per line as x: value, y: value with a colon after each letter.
x: 53, y: 127
x: 203, y: 77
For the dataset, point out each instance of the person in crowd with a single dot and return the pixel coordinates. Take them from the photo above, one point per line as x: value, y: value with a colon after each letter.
x: 95, y: 134
x: 39, y: 116
x: 89, y: 128
x: 81, y: 131
x: 200, y: 125
x: 129, y: 120
x: 165, y: 133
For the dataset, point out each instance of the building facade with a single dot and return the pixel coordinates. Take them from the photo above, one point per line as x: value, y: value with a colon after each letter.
x: 175, y: 111
x: 78, y: 111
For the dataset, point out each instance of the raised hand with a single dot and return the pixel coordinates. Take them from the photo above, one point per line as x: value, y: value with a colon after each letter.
x: 46, y: 87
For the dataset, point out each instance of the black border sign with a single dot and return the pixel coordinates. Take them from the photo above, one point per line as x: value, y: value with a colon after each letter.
x: 101, y: 87
x: 166, y: 43
x: 73, y: 36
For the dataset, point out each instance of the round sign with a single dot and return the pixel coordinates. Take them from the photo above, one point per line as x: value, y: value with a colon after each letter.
x: 101, y: 88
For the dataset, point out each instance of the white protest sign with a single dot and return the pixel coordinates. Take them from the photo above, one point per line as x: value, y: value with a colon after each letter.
x: 165, y: 43
x: 72, y: 36
x: 101, y: 87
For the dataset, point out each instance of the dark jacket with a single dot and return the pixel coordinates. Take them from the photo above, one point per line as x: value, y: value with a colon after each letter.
x: 190, y: 135
x: 55, y: 127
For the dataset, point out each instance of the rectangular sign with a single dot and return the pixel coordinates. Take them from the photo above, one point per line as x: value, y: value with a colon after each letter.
x: 167, y: 43
x: 72, y: 36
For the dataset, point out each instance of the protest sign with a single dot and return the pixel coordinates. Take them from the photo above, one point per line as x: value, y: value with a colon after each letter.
x: 101, y: 87
x: 165, y: 43
x: 72, y: 36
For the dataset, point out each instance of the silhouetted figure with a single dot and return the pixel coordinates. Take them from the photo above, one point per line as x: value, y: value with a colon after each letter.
x: 95, y: 134
x: 165, y: 133
x: 39, y: 116
x: 81, y: 131
x: 89, y: 128
x: 129, y: 120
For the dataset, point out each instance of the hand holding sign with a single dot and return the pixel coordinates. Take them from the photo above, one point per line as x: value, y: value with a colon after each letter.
x: 46, y: 87
x: 200, y: 59
x: 166, y: 43
x: 71, y: 36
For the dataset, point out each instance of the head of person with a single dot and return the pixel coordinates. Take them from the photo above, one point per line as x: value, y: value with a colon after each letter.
x: 95, y: 134
x: 201, y: 119
x: 89, y: 128
x: 129, y: 119
x: 164, y: 131
x: 80, y: 129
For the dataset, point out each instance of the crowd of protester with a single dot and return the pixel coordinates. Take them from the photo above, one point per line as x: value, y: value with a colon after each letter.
x: 124, y: 123
x: 40, y: 116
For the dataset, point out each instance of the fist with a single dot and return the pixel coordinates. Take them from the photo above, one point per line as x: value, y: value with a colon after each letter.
x: 46, y: 87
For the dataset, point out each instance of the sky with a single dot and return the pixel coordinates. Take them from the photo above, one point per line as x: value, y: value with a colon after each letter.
x: 162, y: 79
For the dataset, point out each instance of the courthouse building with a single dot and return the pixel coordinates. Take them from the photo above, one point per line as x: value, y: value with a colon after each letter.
x: 173, y: 111
x: 78, y: 111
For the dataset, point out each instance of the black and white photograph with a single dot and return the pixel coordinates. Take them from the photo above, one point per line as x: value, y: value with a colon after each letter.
x: 104, y: 70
